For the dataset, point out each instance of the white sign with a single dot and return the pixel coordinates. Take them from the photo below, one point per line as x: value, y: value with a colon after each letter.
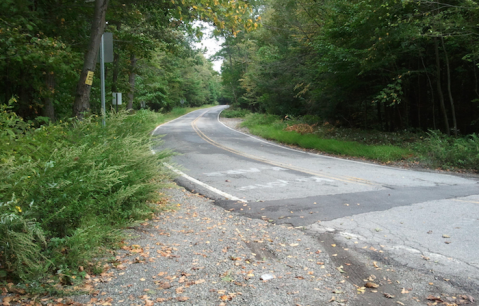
x: 116, y: 98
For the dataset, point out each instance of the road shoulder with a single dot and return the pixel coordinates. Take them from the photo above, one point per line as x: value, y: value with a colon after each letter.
x: 200, y: 254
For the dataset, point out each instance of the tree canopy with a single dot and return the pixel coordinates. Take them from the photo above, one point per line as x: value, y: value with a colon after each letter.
x: 388, y: 65
x: 48, y: 47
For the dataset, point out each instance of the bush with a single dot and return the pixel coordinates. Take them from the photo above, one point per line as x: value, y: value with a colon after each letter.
x: 235, y: 113
x: 260, y: 119
x: 449, y: 152
x: 66, y: 187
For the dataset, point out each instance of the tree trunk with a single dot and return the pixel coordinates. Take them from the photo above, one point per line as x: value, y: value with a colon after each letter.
x: 453, y: 111
x: 432, y: 94
x: 48, y: 108
x: 131, y: 80
x: 439, y: 87
x: 82, y: 98
x: 232, y: 87
x: 380, y: 118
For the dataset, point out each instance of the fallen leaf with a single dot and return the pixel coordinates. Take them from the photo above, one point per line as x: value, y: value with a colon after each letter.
x: 182, y: 298
x: 404, y: 291
x: 389, y: 296
x: 164, y: 285
x: 226, y: 298
x: 371, y: 285
x: 434, y: 298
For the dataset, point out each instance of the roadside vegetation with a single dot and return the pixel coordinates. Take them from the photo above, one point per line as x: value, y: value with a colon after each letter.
x: 430, y: 149
x: 233, y: 112
x: 68, y: 188
x: 399, y: 76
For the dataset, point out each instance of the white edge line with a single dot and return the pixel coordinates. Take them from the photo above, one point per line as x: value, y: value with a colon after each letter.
x: 221, y: 193
x: 308, y: 153
x: 211, y: 188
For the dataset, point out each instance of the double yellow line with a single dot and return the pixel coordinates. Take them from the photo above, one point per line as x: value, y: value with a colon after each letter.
x: 346, y: 179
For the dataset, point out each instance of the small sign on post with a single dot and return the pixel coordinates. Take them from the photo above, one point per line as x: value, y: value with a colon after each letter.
x: 116, y: 99
x: 89, y: 78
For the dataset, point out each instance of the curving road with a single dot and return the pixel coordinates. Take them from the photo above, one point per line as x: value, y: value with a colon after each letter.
x: 426, y: 220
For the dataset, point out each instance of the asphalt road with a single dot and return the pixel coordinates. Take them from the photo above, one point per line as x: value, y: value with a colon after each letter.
x: 424, y: 220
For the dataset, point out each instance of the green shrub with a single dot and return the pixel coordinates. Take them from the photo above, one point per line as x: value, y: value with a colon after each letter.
x: 260, y: 119
x: 235, y: 113
x: 311, y: 119
x: 449, y: 152
x: 21, y: 241
x: 66, y: 188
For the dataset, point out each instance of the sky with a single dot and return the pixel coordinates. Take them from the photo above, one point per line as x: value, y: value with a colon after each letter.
x: 212, y: 44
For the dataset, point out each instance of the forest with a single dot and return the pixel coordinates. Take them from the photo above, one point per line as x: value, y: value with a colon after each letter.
x: 370, y: 64
x: 45, y: 46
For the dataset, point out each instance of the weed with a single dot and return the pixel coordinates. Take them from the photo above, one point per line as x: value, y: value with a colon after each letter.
x: 301, y: 128
x: 448, y: 152
x: 67, y: 189
x: 270, y: 127
x: 232, y: 112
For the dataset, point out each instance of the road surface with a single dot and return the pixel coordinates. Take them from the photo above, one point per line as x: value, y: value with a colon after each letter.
x: 422, y: 220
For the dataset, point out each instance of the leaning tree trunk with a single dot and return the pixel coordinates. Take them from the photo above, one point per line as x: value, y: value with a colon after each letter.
x: 439, y: 87
x: 82, y: 98
x: 131, y: 80
x: 48, y: 108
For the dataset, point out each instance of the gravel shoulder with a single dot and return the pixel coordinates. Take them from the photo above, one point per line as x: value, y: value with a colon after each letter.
x: 200, y: 254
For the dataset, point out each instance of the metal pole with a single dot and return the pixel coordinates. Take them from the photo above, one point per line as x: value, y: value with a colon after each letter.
x: 102, y: 79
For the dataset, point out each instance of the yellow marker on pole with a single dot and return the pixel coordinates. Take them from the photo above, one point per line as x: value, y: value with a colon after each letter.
x: 89, y: 78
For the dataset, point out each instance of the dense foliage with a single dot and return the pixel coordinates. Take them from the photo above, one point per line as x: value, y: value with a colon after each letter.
x: 43, y: 46
x: 388, y: 65
x: 66, y: 187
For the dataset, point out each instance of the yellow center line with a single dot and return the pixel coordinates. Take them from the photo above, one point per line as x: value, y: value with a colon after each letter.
x: 474, y: 202
x: 214, y: 143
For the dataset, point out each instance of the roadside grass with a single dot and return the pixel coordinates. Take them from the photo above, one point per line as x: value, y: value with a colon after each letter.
x: 232, y: 112
x: 432, y: 149
x: 383, y: 153
x: 68, y: 188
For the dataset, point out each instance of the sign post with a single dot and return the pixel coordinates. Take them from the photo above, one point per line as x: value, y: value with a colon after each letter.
x: 106, y: 56
x: 117, y: 99
x: 102, y: 79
